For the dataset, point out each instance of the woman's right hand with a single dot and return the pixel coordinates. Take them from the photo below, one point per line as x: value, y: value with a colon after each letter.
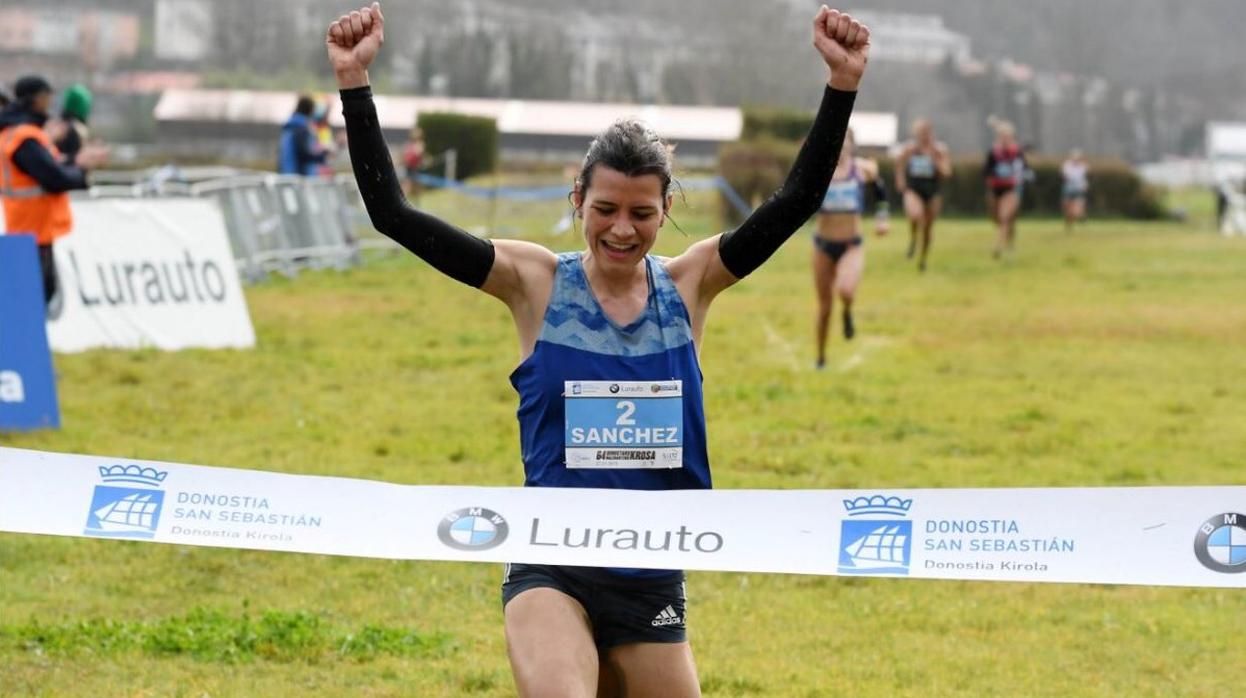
x: 353, y: 41
x: 844, y: 43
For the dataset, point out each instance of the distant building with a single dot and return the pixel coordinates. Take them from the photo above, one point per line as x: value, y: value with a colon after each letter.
x: 244, y: 124
x: 1226, y: 141
x: 875, y: 131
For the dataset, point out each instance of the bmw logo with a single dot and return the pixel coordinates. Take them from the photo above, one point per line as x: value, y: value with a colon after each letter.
x: 614, y: 387
x: 473, y: 528
x: 1221, y: 543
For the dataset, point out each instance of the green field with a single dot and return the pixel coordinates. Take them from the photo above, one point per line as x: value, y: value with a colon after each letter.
x: 1114, y: 356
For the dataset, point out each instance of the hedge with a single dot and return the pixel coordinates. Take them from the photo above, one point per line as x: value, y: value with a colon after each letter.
x: 1115, y: 189
x: 757, y: 168
x: 777, y: 123
x: 474, y: 138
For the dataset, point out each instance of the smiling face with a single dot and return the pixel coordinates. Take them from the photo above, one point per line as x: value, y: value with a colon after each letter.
x: 621, y: 215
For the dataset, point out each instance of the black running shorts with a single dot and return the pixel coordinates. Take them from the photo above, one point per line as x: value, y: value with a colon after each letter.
x: 621, y: 610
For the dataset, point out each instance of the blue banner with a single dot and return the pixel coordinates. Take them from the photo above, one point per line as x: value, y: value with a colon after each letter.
x: 27, y: 387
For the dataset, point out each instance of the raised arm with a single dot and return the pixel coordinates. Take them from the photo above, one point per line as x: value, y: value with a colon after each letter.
x: 844, y: 45
x: 352, y: 42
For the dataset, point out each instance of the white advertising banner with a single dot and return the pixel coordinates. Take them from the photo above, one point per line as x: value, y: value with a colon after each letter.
x: 1178, y: 536
x: 148, y: 273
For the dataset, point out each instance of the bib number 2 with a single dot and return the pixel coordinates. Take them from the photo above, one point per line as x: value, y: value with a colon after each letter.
x: 624, y: 424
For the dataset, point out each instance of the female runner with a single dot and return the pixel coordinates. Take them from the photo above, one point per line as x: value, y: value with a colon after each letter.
x: 1074, y: 190
x: 610, y: 313
x: 920, y: 166
x: 1004, y: 172
x: 838, y: 257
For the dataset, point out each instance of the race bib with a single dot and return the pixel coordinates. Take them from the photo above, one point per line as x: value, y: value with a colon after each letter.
x: 921, y: 166
x: 843, y: 196
x: 624, y: 424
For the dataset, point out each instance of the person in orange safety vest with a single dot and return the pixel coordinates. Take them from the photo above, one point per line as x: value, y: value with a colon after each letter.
x: 34, y: 184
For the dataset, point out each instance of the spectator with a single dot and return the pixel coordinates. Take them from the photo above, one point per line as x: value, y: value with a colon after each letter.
x: 299, y: 153
x: 412, y: 162
x: 325, y: 140
x: 75, y: 113
x: 33, y: 180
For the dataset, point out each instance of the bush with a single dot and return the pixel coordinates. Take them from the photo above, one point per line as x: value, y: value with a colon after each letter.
x: 756, y: 166
x: 761, y: 123
x: 755, y: 170
x: 475, y: 139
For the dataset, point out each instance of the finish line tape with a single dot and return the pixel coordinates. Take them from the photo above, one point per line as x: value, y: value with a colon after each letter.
x: 1178, y: 536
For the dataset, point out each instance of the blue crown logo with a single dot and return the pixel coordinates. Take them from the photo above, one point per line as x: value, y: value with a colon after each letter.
x: 878, y: 504
x: 134, y: 474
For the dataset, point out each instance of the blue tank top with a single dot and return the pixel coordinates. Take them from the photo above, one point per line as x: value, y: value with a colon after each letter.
x: 845, y: 195
x: 579, y: 345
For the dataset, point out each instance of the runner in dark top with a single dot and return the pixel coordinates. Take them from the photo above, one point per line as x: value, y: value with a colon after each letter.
x: 920, y: 167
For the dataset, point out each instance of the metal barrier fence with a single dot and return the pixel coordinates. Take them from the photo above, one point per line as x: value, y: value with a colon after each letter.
x: 276, y: 223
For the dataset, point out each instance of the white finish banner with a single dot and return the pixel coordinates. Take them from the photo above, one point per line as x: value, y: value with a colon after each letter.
x: 1180, y: 536
x: 148, y: 273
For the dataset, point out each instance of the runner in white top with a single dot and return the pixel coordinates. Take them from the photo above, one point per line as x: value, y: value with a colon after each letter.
x: 1076, y: 186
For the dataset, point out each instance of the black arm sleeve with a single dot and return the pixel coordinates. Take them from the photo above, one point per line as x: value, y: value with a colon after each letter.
x: 52, y: 176
x: 454, y: 252
x: 744, y: 249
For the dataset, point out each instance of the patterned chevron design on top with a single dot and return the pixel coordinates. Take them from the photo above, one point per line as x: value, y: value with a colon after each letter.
x: 575, y: 319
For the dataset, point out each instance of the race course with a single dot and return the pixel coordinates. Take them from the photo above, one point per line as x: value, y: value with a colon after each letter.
x: 1112, y: 356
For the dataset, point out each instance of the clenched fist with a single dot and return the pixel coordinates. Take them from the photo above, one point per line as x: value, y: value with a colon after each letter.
x: 353, y: 41
x: 844, y: 44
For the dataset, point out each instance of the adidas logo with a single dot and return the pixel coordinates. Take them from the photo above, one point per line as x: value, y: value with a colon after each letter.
x: 666, y: 616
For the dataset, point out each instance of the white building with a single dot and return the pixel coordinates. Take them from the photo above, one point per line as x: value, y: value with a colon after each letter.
x: 227, y: 120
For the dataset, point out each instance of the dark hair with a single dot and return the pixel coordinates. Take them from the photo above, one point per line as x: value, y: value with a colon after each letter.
x: 27, y: 88
x: 630, y: 147
x: 306, y: 105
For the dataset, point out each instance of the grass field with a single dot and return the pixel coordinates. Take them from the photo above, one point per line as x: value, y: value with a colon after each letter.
x: 1114, y: 356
